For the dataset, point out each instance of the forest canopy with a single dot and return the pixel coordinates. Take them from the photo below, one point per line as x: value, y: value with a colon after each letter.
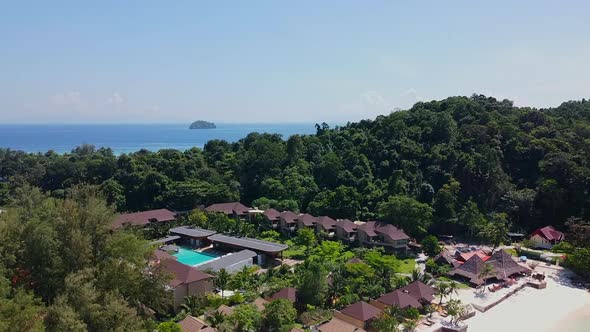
x: 489, y: 156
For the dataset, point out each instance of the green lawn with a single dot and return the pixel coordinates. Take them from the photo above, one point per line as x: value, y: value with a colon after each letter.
x: 407, y: 265
x: 461, y: 285
x: 296, y: 252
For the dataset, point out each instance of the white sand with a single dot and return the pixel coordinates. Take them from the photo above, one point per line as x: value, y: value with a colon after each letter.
x: 559, y: 307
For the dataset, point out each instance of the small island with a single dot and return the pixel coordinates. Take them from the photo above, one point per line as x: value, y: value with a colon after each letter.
x: 200, y: 124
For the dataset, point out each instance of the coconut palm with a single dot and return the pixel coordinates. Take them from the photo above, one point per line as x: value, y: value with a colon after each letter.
x: 486, y: 272
x: 441, y: 289
x: 192, y: 304
x: 410, y: 325
x: 453, y: 287
x: 215, y: 318
x: 418, y: 275
x: 429, y: 309
x: 222, y: 280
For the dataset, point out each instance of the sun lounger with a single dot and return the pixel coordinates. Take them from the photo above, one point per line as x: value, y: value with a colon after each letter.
x: 427, y: 323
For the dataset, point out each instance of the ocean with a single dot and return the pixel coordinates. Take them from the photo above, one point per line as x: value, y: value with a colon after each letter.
x: 124, y: 138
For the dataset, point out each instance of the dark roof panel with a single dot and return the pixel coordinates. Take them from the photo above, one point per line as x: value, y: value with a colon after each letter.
x: 227, y: 261
x: 248, y: 243
x: 192, y: 231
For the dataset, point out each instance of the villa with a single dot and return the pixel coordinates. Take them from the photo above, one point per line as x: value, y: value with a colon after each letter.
x: 186, y: 280
x: 337, y: 325
x: 398, y: 299
x: 144, y: 218
x: 346, y: 231
x: 546, y: 237
x: 326, y: 225
x: 503, y: 267
x: 419, y: 291
x: 194, y: 324
x: 359, y: 314
x: 288, y: 222
x: 373, y: 233
x: 306, y: 221
x: 271, y: 217
x: 287, y: 293
x: 231, y: 209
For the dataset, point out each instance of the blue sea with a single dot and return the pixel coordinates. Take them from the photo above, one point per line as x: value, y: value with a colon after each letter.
x: 124, y: 138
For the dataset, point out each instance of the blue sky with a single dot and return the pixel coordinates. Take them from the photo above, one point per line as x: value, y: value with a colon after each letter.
x: 282, y: 61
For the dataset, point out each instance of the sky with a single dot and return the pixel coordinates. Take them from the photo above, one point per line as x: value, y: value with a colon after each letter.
x: 282, y: 61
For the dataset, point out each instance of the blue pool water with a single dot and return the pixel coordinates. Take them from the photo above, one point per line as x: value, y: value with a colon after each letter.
x: 191, y: 257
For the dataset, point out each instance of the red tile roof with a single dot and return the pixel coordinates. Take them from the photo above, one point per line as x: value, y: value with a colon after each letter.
x: 288, y: 293
x: 143, y: 218
x: 228, y: 208
x: 464, y: 257
x: 549, y: 233
x: 183, y: 274
x: 400, y: 299
x: 361, y: 311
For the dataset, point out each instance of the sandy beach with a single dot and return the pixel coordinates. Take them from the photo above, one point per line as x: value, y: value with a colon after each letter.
x: 559, y: 307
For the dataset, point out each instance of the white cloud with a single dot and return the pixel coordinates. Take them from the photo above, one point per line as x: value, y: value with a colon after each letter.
x: 374, y: 98
x: 67, y: 98
x: 115, y: 99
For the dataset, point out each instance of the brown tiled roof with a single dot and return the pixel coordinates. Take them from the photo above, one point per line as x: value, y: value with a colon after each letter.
x: 288, y: 293
x: 191, y: 324
x: 228, y: 208
x: 391, y: 231
x: 223, y: 309
x: 347, y: 225
x: 260, y: 303
x: 355, y: 260
x: 549, y: 233
x: 160, y: 255
x: 307, y: 219
x: 271, y: 214
x: 470, y: 270
x: 327, y: 222
x: 337, y: 325
x: 400, y: 299
x: 361, y: 311
x: 419, y: 290
x: 445, y: 257
x: 464, y: 256
x: 183, y: 274
x: 290, y: 217
x: 143, y: 218
x: 505, y: 266
x: 373, y: 228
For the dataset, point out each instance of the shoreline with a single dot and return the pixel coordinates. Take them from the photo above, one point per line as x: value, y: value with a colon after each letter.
x: 576, y: 321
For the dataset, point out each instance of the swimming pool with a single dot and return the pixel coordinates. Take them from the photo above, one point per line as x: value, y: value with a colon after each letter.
x: 190, y: 257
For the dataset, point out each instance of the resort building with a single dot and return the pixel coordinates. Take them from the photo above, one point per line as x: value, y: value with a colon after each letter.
x: 192, y: 236
x: 144, y: 218
x: 306, y: 220
x: 546, y: 237
x: 271, y: 218
x: 194, y: 324
x: 398, y: 299
x: 346, y: 231
x: 359, y: 314
x: 337, y: 325
x: 260, y: 303
x: 186, y: 280
x: 373, y: 233
x: 326, y: 225
x: 265, y: 250
x: 232, y: 262
x: 503, y: 267
x: 463, y: 257
x: 231, y: 209
x: 445, y: 258
x: 287, y: 293
x: 288, y: 222
x: 419, y: 291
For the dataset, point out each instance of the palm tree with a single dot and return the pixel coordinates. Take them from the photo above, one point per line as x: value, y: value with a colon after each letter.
x: 453, y: 287
x: 222, y: 280
x: 486, y: 272
x: 191, y: 304
x: 441, y: 289
x: 410, y: 325
x: 429, y: 309
x: 215, y: 318
x: 418, y: 275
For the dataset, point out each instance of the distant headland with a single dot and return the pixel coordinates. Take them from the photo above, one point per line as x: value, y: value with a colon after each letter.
x: 200, y: 124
